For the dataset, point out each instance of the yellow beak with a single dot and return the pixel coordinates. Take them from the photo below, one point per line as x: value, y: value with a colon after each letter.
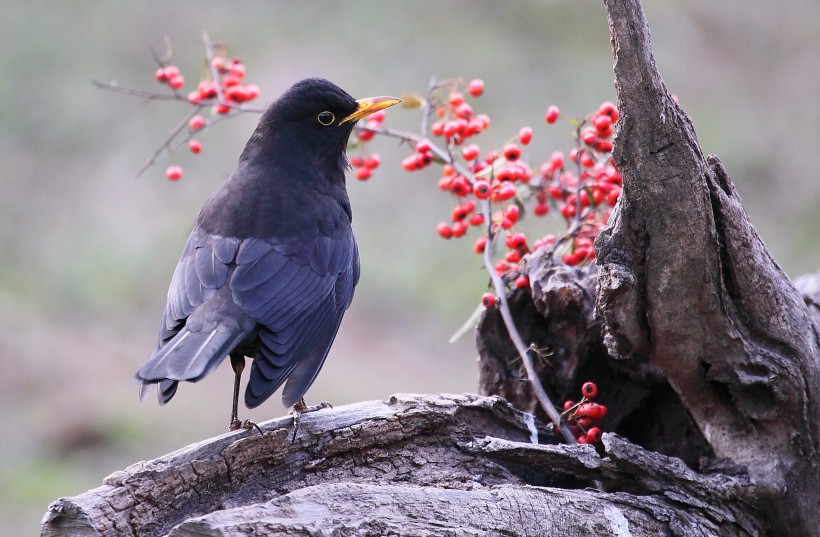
x: 369, y: 106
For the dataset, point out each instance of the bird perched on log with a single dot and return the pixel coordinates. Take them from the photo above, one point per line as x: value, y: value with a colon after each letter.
x: 270, y: 267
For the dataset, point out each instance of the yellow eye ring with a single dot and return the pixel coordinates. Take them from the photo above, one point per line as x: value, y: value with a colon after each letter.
x: 326, y: 118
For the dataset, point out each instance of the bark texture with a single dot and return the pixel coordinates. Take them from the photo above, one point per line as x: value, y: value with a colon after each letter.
x: 415, y: 465
x: 693, y: 310
x: 686, y: 281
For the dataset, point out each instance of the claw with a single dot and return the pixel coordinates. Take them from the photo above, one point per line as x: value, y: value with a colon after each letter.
x: 301, y: 408
x: 236, y: 424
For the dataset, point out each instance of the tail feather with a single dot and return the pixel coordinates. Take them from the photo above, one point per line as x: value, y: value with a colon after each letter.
x: 188, y: 356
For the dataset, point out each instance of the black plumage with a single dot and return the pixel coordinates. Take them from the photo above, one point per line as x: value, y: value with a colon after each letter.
x: 271, y: 264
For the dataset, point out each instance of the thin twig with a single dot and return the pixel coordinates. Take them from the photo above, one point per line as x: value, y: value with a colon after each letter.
x: 149, y: 95
x: 209, y: 56
x: 168, y: 140
x: 515, y: 336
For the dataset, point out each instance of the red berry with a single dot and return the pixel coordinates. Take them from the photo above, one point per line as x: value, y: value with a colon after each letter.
x: 365, y: 135
x: 609, y: 109
x: 218, y: 63
x: 488, y: 300
x: 410, y: 163
x: 465, y: 111
x: 378, y: 117
x: 512, y: 212
x: 482, y: 189
x: 456, y: 99
x: 480, y: 245
x: 602, y: 123
x: 196, y: 123
x: 176, y: 82
x: 557, y: 159
x: 594, y: 435
x: 525, y: 135
x: 476, y: 219
x: 552, y: 114
x: 229, y: 81
x: 222, y: 109
x: 170, y: 72
x: 475, y: 87
x: 570, y: 259
x: 363, y: 174
x: 372, y: 162
x: 237, y: 69
x: 482, y: 122
x: 444, y: 230
x: 160, y: 75
x: 516, y: 241
x: 252, y: 92
x: 512, y: 257
x: 541, y: 209
x: 589, y: 390
x: 589, y: 136
x: 437, y: 128
x: 582, y: 439
x: 460, y: 187
x: 612, y: 197
x: 470, y: 152
x: 522, y: 281
x: 604, y: 146
x: 512, y: 152
x: 459, y: 228
x: 424, y: 146
x: 195, y: 146
x: 173, y: 173
x: 206, y: 89
x: 506, y: 191
x: 356, y: 162
x: 593, y: 411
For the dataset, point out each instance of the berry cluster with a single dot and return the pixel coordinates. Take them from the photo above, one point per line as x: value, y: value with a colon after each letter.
x: 584, y: 414
x: 223, y: 89
x: 580, y: 187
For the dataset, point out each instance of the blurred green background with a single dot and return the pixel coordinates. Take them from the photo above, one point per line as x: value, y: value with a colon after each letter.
x: 88, y: 251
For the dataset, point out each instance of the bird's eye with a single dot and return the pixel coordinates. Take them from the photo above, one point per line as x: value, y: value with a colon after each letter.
x: 326, y: 118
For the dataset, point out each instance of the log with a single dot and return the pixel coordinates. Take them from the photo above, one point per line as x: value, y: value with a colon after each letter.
x: 413, y: 465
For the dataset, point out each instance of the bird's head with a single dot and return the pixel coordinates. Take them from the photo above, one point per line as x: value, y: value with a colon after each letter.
x: 314, y: 118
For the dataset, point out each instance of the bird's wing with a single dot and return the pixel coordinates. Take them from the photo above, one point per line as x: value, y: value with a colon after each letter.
x: 200, y: 324
x: 298, y: 292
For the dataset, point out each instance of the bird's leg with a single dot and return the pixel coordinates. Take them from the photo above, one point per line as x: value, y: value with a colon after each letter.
x: 301, y: 408
x: 238, y: 365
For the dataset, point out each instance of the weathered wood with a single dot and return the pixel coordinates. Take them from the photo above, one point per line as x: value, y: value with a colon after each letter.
x: 416, y: 465
x: 686, y: 281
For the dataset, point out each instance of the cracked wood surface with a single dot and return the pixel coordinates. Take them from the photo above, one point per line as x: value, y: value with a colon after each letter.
x: 414, y: 465
x: 685, y: 280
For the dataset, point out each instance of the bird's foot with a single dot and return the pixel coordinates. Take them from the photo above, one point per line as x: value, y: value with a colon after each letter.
x: 301, y: 408
x: 236, y: 424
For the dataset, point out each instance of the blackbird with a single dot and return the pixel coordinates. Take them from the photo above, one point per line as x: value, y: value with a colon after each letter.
x: 270, y: 267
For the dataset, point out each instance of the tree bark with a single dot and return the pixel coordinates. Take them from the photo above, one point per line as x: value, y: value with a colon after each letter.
x: 688, y: 299
x: 416, y: 465
x: 686, y: 281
